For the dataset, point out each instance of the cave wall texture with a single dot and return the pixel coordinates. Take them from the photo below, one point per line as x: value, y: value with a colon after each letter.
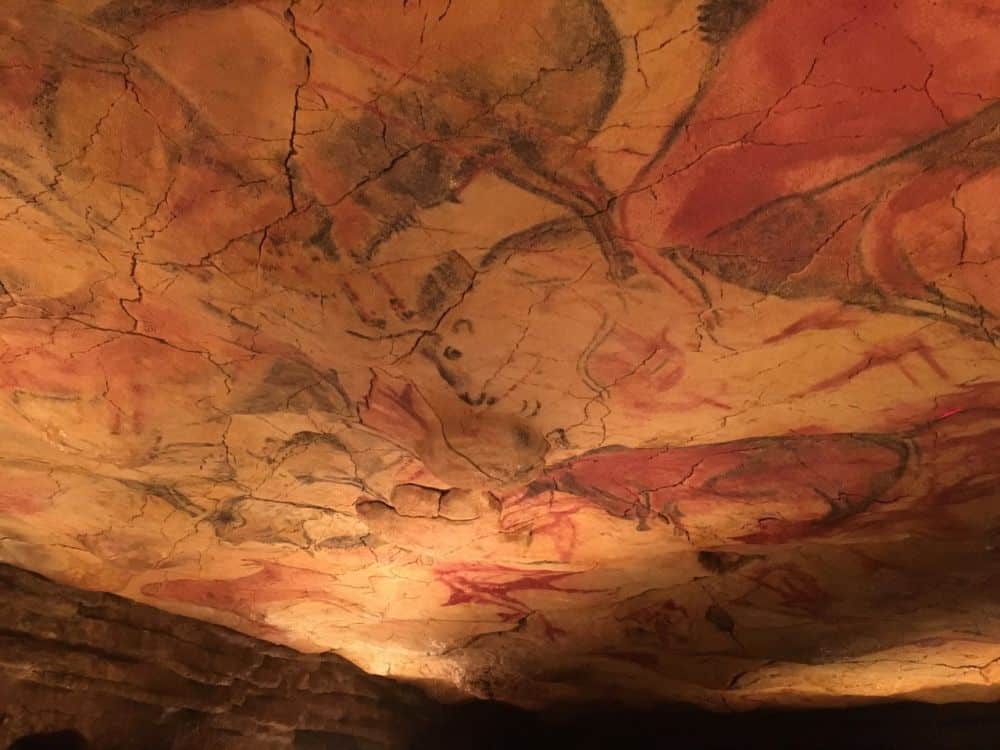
x: 81, y: 670
x: 543, y: 352
x: 127, y: 676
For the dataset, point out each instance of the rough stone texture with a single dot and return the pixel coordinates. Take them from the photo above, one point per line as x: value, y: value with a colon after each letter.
x: 125, y: 675
x: 492, y: 726
x: 685, y: 313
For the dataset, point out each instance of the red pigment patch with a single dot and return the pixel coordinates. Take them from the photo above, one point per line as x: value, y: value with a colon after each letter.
x: 807, y: 485
x: 543, y: 516
x: 17, y: 504
x: 882, y: 356
x: 395, y: 409
x: 792, y: 588
x: 26, y: 496
x: 950, y: 413
x: 248, y: 595
x: 804, y: 103
x: 496, y: 585
x: 822, y: 320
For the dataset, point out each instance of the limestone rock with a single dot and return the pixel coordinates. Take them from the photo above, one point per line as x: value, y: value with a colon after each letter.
x: 543, y: 351
x: 414, y: 500
x: 125, y: 675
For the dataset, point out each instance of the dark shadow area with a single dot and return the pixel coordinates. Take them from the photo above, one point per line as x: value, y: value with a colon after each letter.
x: 66, y: 739
x: 313, y: 740
x: 913, y: 726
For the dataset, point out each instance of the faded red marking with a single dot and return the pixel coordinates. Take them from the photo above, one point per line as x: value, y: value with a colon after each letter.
x: 661, y: 618
x: 561, y: 530
x: 249, y: 595
x: 966, y: 490
x: 495, y: 585
x: 643, y: 367
x: 18, y: 504
x: 780, y: 531
x: 808, y: 486
x: 821, y: 320
x: 395, y: 409
x: 896, y: 270
x: 543, y: 516
x: 27, y: 365
x: 22, y: 81
x: 882, y: 356
x: 80, y: 364
x: 794, y: 588
x: 828, y: 105
x: 369, y: 57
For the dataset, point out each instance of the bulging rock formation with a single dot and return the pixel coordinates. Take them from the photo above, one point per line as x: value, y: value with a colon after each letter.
x: 82, y: 669
x: 552, y: 351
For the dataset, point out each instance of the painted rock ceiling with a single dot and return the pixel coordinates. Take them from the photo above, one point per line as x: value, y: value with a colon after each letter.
x: 544, y: 351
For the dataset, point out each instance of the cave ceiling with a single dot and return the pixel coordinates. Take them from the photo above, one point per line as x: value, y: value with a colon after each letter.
x: 562, y: 350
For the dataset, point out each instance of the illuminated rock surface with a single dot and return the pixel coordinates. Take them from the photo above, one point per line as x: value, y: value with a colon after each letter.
x: 541, y: 351
x: 125, y: 676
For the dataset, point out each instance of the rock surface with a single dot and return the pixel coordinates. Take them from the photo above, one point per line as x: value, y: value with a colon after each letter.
x: 646, y: 349
x: 125, y: 675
